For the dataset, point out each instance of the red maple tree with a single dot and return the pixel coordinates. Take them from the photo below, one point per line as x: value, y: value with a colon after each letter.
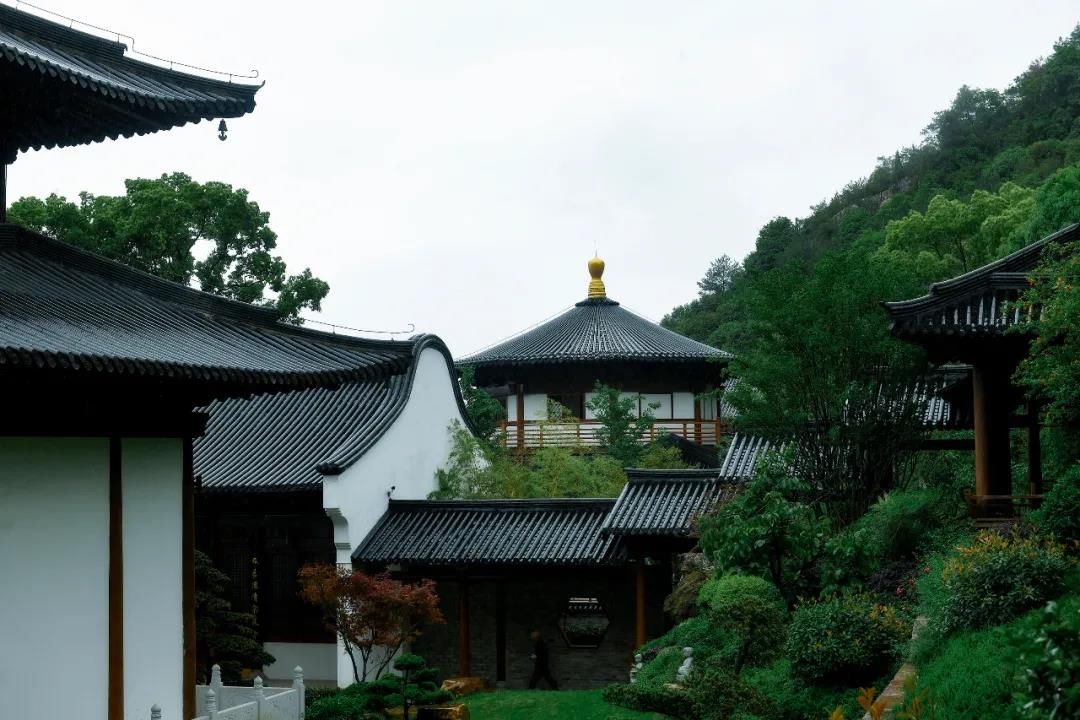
x: 374, y: 615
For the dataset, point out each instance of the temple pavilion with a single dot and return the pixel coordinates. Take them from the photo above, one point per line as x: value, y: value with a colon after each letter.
x: 977, y: 319
x: 545, y: 376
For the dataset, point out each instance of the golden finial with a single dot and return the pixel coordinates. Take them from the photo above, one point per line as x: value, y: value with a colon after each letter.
x: 596, y: 285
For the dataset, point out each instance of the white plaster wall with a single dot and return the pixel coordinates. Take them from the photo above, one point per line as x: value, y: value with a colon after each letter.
x: 536, y: 406
x: 663, y: 401
x: 317, y: 660
x: 151, y: 479
x: 682, y: 405
x: 54, y: 561
x: 511, y: 408
x: 405, y: 458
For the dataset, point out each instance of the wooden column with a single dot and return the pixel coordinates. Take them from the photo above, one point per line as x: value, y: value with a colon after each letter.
x: 116, y: 583
x: 187, y: 568
x: 639, y: 605
x: 1035, y: 480
x: 991, y: 411
x: 464, y: 665
x: 500, y: 631
x: 521, y: 416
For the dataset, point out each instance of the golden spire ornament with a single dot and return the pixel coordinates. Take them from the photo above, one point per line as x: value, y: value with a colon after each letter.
x: 596, y: 285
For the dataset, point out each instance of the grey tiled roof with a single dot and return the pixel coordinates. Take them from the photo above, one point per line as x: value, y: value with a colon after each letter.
x: 64, y: 309
x: 979, y: 302
x: 743, y: 455
x: 596, y: 329
x: 667, y: 502
x: 491, y: 532
x: 288, y: 441
x: 106, y: 94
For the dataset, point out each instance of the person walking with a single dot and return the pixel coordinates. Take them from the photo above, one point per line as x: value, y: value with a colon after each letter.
x: 541, y: 667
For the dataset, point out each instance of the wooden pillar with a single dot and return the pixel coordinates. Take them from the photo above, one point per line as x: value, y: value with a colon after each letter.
x: 500, y: 631
x: 521, y: 416
x: 1035, y: 480
x: 116, y: 583
x: 640, y: 632
x: 187, y: 563
x: 991, y: 414
x: 464, y: 665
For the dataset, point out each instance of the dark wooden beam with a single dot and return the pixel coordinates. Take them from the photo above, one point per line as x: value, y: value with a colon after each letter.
x: 187, y: 568
x: 116, y: 582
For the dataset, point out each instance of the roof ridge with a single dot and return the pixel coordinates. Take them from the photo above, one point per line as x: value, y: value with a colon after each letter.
x: 499, y: 503
x: 175, y: 293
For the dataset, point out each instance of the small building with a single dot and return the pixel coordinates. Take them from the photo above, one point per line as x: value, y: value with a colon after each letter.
x: 978, y: 319
x: 599, y: 340
x: 301, y: 477
x: 590, y: 575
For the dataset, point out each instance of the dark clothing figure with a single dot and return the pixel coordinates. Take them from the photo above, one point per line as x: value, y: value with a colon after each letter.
x: 541, y: 668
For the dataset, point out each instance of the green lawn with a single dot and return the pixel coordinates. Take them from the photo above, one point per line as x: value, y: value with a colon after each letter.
x: 548, y: 704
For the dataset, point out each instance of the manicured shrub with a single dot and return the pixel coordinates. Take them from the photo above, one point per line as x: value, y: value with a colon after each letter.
x: 851, y: 638
x: 650, y: 698
x: 700, y: 633
x: 796, y: 699
x: 356, y: 702
x: 717, y: 693
x: 1059, y: 514
x: 994, y: 579
x: 662, y: 668
x: 752, y: 610
x: 1051, y: 664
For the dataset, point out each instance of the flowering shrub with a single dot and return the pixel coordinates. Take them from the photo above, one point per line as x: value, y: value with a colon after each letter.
x: 996, y: 578
x: 851, y: 639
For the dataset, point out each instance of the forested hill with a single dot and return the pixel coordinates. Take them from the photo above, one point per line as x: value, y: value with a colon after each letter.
x: 982, y: 157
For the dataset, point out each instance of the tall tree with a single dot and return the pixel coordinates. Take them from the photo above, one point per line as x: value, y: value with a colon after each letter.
x: 161, y: 227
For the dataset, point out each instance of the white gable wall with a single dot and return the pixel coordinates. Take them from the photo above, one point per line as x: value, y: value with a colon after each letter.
x: 152, y: 482
x: 405, y: 458
x: 54, y: 556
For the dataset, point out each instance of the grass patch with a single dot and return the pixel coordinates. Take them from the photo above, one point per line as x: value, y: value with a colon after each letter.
x: 549, y: 704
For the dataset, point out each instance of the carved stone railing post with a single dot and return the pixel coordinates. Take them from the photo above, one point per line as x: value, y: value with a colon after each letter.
x: 298, y: 686
x: 155, y: 712
x: 215, y: 679
x: 260, y: 699
x: 211, y: 703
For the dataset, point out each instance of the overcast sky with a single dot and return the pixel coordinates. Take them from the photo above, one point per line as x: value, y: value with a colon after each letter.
x: 453, y: 164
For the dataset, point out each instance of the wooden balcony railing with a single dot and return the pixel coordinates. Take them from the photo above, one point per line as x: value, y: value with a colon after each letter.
x: 995, y: 510
x: 539, y: 433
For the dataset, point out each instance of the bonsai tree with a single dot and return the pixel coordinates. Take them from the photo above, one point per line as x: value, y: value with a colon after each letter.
x: 414, y: 685
x: 222, y: 635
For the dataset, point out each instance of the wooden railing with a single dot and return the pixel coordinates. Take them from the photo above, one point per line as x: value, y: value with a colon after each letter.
x: 993, y: 510
x: 540, y: 433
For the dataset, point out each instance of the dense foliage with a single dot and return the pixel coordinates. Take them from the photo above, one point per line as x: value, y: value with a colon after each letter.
x: 992, y: 580
x: 1059, y: 515
x: 769, y: 529
x: 752, y: 610
x: 1051, y: 677
x: 161, y: 226
x: 852, y: 639
x: 223, y: 636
